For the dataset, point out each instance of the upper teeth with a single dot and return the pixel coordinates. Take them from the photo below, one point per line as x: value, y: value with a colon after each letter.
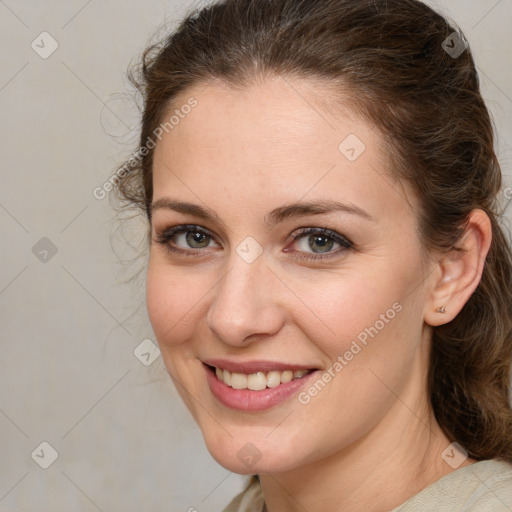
x: 257, y: 381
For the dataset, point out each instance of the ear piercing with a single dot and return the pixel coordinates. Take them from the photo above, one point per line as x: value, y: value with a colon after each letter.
x: 441, y: 309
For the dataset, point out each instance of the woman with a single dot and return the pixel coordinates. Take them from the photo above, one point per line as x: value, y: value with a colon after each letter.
x: 328, y: 280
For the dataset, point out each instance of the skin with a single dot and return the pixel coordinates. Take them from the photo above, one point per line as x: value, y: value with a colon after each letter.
x: 368, y: 441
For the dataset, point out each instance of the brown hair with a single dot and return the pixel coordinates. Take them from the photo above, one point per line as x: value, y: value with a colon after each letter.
x: 392, y: 57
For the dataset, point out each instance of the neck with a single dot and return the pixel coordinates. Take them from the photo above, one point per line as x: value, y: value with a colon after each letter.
x: 398, y: 458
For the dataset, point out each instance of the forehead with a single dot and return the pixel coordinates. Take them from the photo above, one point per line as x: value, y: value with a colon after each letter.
x: 277, y: 136
x: 273, y: 111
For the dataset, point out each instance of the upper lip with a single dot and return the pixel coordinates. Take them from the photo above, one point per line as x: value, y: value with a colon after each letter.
x: 255, y: 366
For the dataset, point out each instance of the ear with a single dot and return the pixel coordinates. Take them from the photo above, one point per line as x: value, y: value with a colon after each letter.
x: 459, y: 271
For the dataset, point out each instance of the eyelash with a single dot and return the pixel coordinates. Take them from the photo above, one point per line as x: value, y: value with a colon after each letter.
x: 165, y: 236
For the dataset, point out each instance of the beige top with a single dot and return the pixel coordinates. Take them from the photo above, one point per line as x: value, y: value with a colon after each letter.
x: 484, y: 486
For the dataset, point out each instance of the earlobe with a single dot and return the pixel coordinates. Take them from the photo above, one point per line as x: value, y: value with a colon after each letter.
x: 460, y: 271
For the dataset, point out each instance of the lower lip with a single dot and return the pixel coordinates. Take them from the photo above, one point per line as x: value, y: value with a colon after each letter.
x: 248, y: 400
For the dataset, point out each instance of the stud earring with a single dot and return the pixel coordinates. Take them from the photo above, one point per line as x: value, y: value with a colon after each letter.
x: 441, y: 309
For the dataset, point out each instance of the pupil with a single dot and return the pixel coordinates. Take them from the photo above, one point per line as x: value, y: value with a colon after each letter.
x: 195, y: 239
x: 320, y: 243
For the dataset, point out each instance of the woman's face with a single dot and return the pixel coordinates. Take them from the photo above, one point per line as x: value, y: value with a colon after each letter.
x: 281, y: 244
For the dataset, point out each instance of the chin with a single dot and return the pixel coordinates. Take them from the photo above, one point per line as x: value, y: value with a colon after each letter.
x: 264, y: 465
x: 242, y: 456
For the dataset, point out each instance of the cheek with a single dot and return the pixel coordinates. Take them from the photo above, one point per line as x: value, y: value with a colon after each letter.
x: 370, y: 330
x: 173, y: 300
x: 368, y: 322
x: 347, y: 307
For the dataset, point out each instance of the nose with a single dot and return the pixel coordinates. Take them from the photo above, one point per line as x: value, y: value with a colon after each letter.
x: 246, y: 304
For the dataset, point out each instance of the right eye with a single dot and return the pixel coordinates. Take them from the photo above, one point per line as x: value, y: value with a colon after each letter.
x: 188, y: 238
x: 193, y: 239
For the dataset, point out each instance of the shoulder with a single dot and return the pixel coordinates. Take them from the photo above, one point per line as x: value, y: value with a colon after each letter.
x: 249, y: 500
x: 485, y: 486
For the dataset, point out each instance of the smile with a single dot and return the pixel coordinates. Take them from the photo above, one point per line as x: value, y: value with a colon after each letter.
x: 260, y: 380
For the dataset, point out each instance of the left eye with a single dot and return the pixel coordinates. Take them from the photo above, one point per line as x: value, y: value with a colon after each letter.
x: 320, y: 242
x: 316, y: 243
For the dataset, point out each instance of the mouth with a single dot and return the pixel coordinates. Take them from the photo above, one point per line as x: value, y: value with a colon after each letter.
x: 255, y: 386
x: 259, y: 380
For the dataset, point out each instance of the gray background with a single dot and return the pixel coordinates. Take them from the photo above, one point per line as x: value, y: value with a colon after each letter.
x: 70, y: 321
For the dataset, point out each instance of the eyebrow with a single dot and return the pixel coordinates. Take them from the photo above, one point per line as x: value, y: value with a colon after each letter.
x: 185, y: 208
x: 303, y: 209
x: 277, y: 215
